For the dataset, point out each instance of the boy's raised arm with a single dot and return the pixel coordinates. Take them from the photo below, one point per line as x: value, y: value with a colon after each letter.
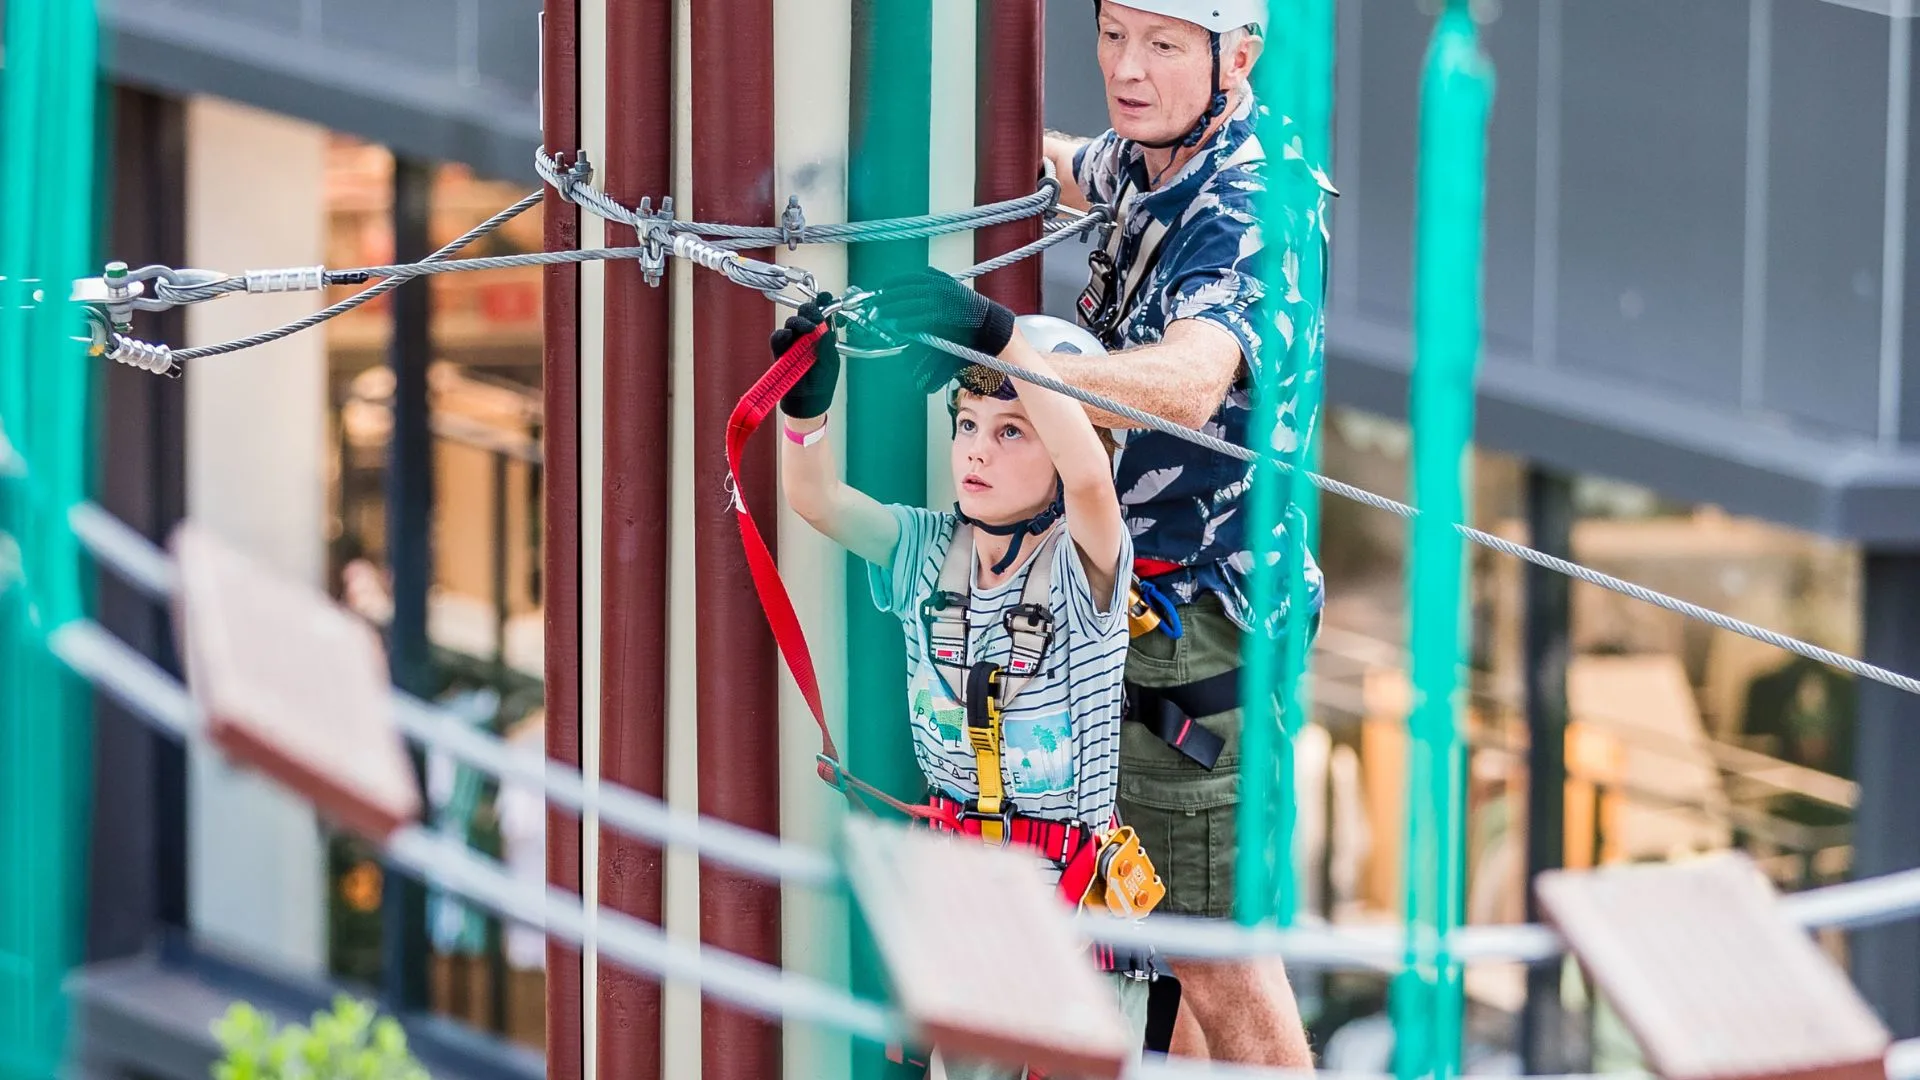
x: 809, y: 467
x: 1086, y: 474
x: 935, y: 303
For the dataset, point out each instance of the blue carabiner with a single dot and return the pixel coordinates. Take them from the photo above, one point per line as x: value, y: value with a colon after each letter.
x: 1163, y: 606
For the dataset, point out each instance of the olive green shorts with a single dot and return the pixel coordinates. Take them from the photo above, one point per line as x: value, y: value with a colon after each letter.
x: 1185, y: 814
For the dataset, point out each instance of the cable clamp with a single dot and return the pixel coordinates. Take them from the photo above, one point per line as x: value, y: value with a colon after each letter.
x: 793, y: 224
x: 655, y: 229
x: 287, y: 279
x: 566, y: 179
x: 147, y: 357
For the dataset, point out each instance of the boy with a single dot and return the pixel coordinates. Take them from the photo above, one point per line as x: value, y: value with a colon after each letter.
x: 1017, y: 596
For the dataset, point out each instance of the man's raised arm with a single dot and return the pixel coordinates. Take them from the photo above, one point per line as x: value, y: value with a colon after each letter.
x: 1183, y: 378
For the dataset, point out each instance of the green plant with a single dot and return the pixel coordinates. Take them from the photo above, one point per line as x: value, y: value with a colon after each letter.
x: 348, y: 1043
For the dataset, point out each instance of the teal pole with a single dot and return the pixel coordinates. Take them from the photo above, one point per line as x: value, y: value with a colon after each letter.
x: 46, y: 230
x: 886, y: 415
x: 1294, y: 79
x: 1456, y: 99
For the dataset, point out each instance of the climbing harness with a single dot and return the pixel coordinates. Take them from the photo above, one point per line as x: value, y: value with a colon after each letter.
x: 1029, y: 624
x: 1104, y: 303
x: 1170, y: 713
x: 1110, y: 870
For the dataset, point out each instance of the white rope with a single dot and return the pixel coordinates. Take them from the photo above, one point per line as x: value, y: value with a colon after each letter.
x: 136, y: 682
x: 1902, y: 1063
x: 1868, y: 902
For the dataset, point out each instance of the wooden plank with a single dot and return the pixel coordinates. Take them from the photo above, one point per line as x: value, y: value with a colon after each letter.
x: 1708, y: 974
x: 982, y: 955
x: 292, y: 685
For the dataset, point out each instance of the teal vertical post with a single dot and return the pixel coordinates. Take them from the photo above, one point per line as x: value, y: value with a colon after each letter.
x: 1456, y: 99
x: 886, y: 430
x: 46, y: 232
x: 1294, y: 79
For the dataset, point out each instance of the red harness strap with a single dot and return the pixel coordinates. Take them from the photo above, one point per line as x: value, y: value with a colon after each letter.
x: 1068, y: 843
x: 1153, y: 568
x: 749, y: 413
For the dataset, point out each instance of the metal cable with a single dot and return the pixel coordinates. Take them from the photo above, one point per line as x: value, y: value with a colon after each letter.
x: 739, y: 269
x: 1047, y: 240
x: 1380, y: 502
x: 574, y: 188
x: 358, y: 298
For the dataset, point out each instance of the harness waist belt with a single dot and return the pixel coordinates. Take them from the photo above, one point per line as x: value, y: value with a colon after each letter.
x: 1055, y: 840
x: 1071, y: 845
x: 1170, y: 711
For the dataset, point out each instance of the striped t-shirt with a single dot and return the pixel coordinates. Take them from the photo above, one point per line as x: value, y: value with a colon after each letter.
x: 1061, y: 735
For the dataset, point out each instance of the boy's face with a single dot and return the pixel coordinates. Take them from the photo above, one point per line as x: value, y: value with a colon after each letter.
x: 1001, y: 471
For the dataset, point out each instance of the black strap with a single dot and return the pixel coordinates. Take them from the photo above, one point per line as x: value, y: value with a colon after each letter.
x: 1171, y: 713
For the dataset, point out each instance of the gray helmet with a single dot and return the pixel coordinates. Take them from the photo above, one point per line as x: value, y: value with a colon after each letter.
x: 1048, y: 334
x: 1218, y: 16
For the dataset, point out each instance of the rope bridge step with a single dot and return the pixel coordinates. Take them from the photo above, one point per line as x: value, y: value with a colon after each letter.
x: 982, y: 956
x: 293, y: 686
x: 1711, y: 975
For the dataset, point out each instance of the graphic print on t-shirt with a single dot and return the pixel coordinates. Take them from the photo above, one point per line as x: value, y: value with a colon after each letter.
x: 933, y: 709
x: 1039, y: 755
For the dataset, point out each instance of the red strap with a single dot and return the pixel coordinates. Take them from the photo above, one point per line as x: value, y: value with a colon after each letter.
x: 753, y: 408
x: 1068, y: 843
x: 1152, y: 568
x: 749, y: 413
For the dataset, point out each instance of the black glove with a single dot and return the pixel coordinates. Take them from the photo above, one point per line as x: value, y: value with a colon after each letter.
x: 937, y: 304
x: 814, y: 392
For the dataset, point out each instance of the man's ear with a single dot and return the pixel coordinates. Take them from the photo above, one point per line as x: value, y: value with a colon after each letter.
x: 1237, y: 68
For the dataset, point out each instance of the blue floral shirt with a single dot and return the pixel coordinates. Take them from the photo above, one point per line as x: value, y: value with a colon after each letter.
x: 1186, y: 504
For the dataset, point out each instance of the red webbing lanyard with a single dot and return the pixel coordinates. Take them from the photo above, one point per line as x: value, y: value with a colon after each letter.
x: 754, y: 407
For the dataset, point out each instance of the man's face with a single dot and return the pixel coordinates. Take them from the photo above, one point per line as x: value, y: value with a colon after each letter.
x: 1002, y: 472
x: 1158, y: 72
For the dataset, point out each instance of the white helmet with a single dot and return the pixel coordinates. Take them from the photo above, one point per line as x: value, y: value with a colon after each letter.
x: 1218, y: 16
x: 1050, y: 335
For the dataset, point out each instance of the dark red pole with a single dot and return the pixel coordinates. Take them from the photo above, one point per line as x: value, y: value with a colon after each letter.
x: 736, y: 678
x: 634, y: 492
x: 1010, y: 73
x: 560, y: 559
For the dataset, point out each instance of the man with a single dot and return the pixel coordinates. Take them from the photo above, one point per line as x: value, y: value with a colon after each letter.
x: 1173, y: 292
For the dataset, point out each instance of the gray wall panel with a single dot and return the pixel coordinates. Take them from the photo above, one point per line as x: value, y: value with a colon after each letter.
x: 1380, y: 235
x: 1374, y: 219
x: 1513, y: 42
x: 1827, y: 187
x: 420, y: 32
x: 281, y: 15
x: 1651, y: 214
x: 508, y: 47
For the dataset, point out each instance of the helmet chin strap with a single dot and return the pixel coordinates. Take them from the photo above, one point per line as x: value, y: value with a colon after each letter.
x: 1216, y: 105
x: 1019, y: 530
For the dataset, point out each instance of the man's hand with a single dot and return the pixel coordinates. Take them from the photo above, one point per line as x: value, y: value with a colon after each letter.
x: 814, y: 392
x: 937, y: 304
x: 1059, y: 149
